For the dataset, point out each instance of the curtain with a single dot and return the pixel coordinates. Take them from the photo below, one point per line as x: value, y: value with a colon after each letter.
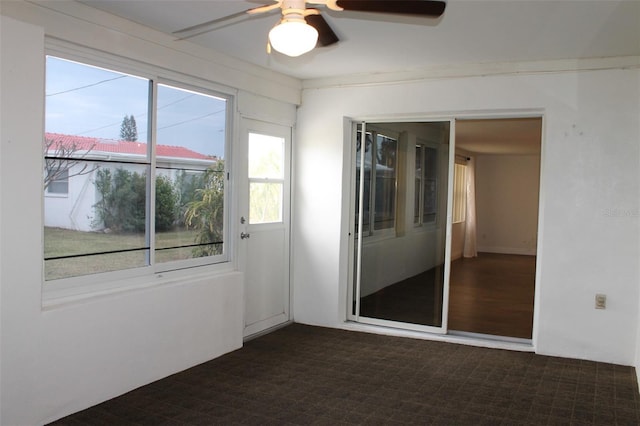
x: 470, y: 247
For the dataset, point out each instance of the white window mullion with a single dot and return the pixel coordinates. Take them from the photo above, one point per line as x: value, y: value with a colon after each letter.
x: 151, y: 185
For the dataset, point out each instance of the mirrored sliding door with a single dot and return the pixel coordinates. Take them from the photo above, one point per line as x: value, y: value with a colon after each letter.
x: 400, y: 204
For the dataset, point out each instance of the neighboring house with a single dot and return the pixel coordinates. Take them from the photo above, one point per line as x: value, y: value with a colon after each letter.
x: 70, y: 195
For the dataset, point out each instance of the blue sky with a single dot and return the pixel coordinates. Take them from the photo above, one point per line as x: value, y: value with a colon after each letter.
x: 89, y: 101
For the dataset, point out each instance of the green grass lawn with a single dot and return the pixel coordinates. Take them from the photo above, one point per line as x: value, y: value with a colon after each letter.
x: 65, y: 242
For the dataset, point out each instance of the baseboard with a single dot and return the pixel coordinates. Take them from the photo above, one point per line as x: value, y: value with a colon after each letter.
x: 508, y: 250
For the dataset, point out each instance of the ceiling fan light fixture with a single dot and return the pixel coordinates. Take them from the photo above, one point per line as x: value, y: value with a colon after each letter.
x: 293, y: 37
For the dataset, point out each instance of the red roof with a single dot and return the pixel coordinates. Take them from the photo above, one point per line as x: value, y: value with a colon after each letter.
x: 84, y: 143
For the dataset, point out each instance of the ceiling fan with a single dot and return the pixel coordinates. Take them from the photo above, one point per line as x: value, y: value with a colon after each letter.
x: 301, y: 29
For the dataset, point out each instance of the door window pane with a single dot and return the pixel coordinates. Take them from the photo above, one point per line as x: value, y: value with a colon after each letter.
x: 266, y: 156
x: 265, y: 202
x: 266, y: 178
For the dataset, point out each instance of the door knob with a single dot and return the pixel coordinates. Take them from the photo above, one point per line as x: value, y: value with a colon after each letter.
x: 244, y: 236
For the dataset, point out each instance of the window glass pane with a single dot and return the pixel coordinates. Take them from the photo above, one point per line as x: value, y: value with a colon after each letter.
x: 266, y: 174
x: 112, y: 237
x: 57, y: 178
x: 385, y: 199
x: 430, y: 185
x: 266, y: 156
x: 265, y: 201
x: 56, y: 268
x: 95, y: 153
x: 83, y: 100
x: 190, y: 174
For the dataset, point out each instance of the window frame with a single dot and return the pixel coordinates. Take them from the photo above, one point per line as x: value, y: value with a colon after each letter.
x: 98, y: 283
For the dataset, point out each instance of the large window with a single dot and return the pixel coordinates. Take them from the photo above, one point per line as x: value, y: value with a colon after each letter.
x: 143, y: 167
x: 380, y: 175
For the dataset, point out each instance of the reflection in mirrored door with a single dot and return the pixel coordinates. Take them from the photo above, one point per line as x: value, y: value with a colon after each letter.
x: 401, y: 187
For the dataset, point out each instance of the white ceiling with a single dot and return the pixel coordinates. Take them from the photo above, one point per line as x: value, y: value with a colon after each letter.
x: 521, y: 136
x: 470, y: 31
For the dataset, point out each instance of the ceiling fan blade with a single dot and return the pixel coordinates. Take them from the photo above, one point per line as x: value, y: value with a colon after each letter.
x: 433, y: 8
x: 326, y: 36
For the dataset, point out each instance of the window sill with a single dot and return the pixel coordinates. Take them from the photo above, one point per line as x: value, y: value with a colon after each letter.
x: 62, y: 295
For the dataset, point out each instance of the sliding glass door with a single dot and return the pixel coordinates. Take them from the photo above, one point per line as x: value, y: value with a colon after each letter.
x: 400, y: 222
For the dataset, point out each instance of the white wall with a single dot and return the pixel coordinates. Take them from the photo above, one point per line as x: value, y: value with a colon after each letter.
x: 507, y: 188
x: 64, y: 357
x: 589, y: 172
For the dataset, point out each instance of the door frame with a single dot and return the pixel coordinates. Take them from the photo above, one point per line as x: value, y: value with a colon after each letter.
x: 348, y: 216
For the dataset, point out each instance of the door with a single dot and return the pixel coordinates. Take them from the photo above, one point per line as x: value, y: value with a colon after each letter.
x: 401, y: 224
x: 265, y: 223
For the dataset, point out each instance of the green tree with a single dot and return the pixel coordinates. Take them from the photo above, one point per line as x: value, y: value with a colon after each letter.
x: 205, y: 213
x: 129, y: 129
x: 167, y: 208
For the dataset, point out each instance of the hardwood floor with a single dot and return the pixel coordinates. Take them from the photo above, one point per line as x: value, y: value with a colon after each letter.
x: 493, y: 294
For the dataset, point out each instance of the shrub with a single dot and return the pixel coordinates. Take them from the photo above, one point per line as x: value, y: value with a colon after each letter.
x: 122, y: 201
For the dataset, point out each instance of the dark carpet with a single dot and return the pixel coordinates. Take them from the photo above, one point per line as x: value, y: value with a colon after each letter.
x: 310, y: 375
